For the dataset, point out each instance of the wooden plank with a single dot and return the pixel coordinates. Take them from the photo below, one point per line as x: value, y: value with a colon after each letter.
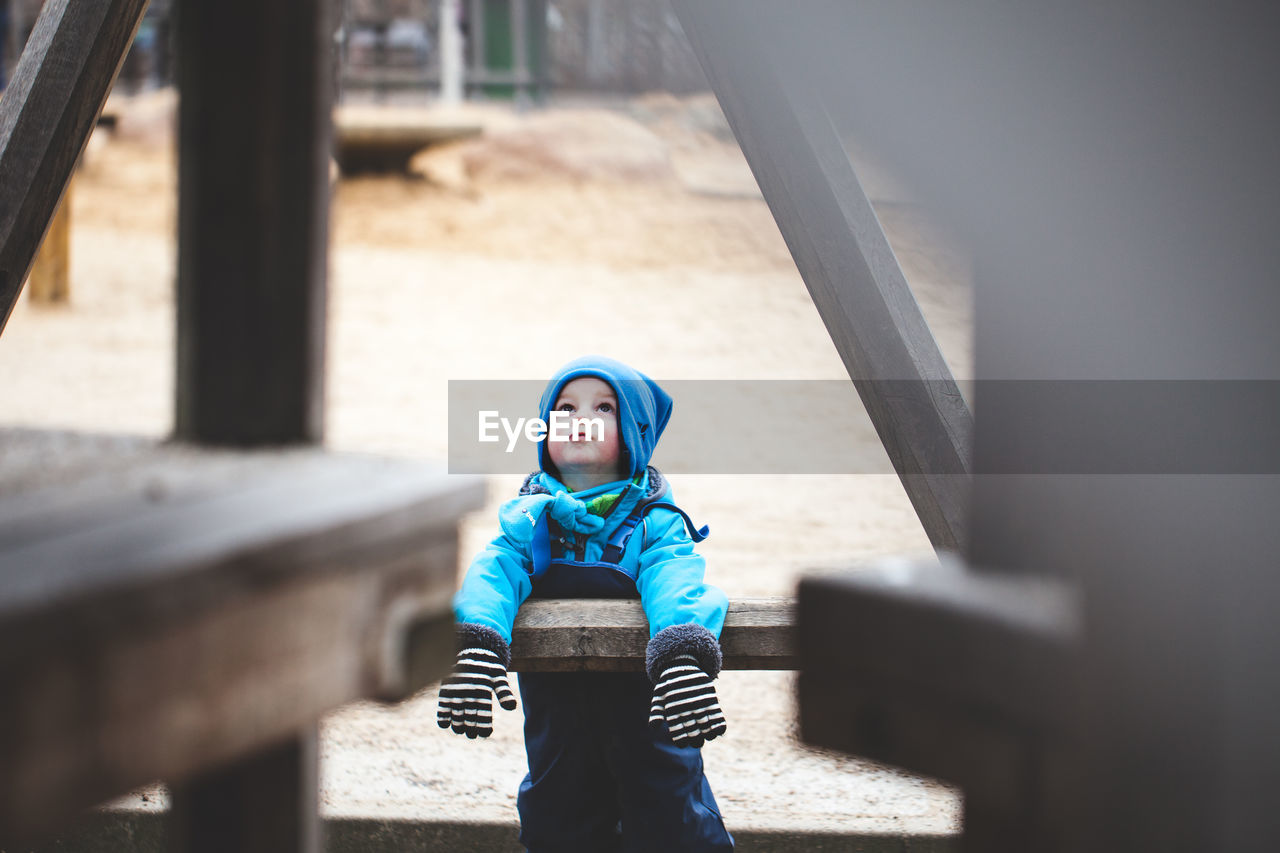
x: 610, y: 635
x: 112, y: 704
x: 255, y: 138
x: 1005, y: 772
x: 51, y: 273
x: 967, y: 677
x: 152, y: 634
x: 796, y: 154
x: 999, y: 647
x: 223, y: 524
x: 915, y: 732
x: 266, y: 803
x: 46, y: 116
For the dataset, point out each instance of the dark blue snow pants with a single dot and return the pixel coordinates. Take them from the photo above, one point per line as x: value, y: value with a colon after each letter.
x: 601, y: 780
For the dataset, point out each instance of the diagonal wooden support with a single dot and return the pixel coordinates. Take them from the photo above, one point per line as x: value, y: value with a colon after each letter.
x: 797, y: 156
x: 46, y: 116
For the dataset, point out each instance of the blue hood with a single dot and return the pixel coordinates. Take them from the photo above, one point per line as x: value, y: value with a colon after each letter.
x: 643, y: 407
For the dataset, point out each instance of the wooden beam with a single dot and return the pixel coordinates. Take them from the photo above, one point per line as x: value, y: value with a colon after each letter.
x: 253, y: 213
x: 609, y: 635
x: 981, y: 639
x: 46, y: 116
x: 796, y: 153
x: 967, y: 677
x: 188, y: 607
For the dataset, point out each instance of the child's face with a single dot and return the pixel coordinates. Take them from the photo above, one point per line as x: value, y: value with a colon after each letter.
x: 587, y: 461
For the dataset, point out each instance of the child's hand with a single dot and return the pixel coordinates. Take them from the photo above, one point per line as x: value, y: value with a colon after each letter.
x: 686, y: 700
x: 466, y: 697
x: 520, y: 517
x: 572, y: 514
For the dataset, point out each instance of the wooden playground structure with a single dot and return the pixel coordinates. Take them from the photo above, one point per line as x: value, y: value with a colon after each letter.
x: 188, y: 610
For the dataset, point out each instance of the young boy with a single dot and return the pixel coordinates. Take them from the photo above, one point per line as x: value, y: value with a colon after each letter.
x: 614, y: 761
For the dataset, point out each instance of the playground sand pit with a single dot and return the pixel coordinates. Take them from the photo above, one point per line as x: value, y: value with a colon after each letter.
x: 633, y: 231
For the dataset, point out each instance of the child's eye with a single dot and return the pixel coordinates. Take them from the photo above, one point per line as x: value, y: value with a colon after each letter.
x: 605, y: 407
x: 565, y: 407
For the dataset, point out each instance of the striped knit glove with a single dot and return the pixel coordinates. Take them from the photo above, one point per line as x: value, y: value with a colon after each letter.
x: 466, y: 697
x: 686, y: 700
x: 681, y: 661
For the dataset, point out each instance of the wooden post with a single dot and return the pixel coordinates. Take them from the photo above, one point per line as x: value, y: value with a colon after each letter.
x: 256, y: 134
x: 50, y: 278
x: 266, y: 803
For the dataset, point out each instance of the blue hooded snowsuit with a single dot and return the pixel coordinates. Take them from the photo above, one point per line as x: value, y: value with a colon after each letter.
x: 600, y: 778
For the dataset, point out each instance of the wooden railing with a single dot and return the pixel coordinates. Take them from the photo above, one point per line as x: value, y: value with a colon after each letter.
x: 609, y: 635
x: 167, y: 609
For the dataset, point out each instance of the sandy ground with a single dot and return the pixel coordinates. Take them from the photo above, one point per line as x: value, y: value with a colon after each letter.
x: 634, y: 231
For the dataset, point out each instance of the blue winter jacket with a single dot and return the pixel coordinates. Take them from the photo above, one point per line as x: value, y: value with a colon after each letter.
x: 658, y: 557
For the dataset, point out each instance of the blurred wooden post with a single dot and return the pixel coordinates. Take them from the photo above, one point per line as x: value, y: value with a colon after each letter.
x: 253, y: 218
x: 50, y: 279
x: 264, y: 804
